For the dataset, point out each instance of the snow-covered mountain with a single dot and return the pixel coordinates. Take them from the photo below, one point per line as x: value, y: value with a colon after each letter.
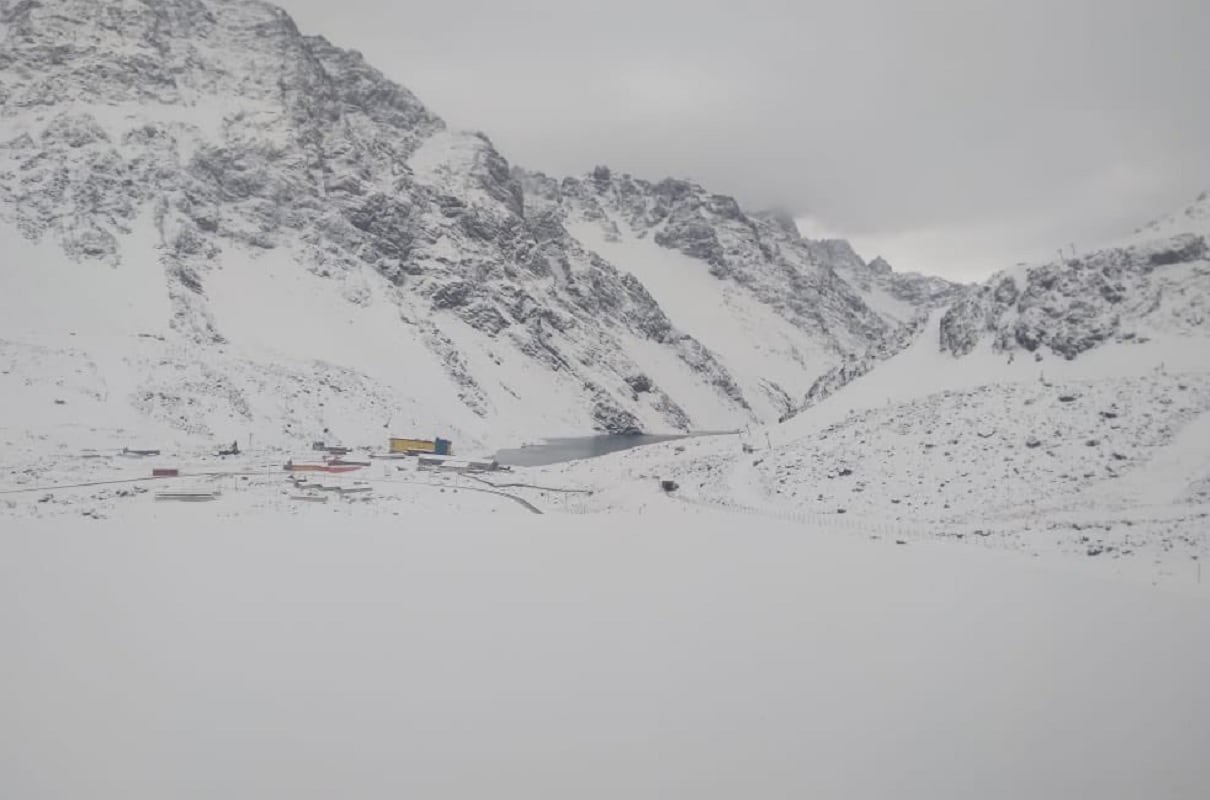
x: 223, y: 225
x: 1154, y: 284
x: 1056, y: 407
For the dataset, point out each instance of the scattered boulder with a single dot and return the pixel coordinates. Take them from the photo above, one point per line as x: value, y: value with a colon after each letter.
x: 639, y: 384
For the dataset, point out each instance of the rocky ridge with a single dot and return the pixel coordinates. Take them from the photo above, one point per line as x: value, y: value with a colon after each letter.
x: 1118, y: 294
x: 237, y: 136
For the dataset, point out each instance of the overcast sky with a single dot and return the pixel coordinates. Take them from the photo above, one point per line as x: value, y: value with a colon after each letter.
x: 951, y: 136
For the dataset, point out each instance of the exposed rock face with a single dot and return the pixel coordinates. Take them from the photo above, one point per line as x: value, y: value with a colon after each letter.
x: 759, y: 254
x: 879, y: 266
x: 1069, y: 308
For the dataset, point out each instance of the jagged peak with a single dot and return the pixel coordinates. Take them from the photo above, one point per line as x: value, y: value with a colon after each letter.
x: 839, y: 251
x: 880, y: 265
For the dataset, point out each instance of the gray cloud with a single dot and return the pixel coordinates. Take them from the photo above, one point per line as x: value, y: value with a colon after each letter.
x: 959, y: 136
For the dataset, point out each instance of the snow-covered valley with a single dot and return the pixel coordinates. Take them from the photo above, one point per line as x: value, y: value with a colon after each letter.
x: 952, y: 546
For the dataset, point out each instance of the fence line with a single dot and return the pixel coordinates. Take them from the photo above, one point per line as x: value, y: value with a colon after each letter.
x: 887, y: 529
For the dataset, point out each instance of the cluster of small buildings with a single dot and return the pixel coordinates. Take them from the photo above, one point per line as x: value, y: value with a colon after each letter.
x: 431, y: 454
x: 437, y: 454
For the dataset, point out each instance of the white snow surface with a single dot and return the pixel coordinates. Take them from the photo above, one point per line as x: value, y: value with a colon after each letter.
x: 177, y: 652
x: 44, y: 291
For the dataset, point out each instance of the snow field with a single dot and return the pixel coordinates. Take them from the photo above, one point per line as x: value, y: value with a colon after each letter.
x: 647, y: 656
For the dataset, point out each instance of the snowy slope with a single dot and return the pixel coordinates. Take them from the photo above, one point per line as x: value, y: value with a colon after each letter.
x: 1068, y: 421
x: 781, y: 312
x: 992, y: 449
x: 1056, y: 400
x: 771, y: 360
